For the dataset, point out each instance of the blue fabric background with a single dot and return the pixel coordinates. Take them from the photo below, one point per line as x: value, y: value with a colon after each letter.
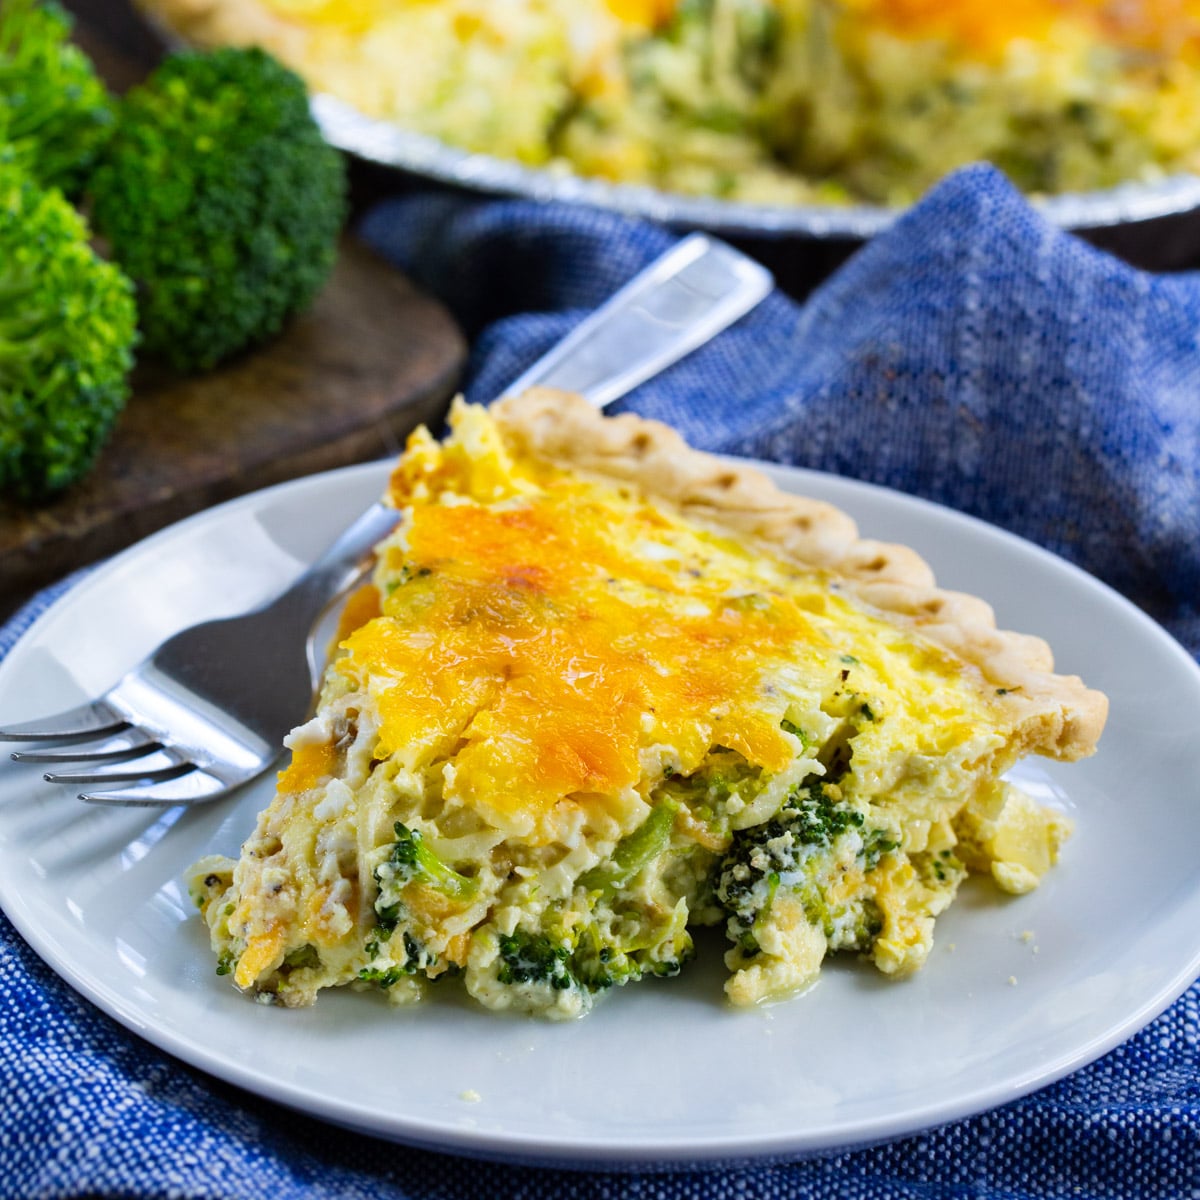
x: 971, y: 355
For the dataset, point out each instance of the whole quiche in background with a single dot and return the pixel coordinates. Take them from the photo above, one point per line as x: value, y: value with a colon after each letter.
x: 771, y: 101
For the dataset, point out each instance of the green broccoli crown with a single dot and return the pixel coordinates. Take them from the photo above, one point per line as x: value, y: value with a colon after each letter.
x: 55, y: 114
x: 809, y: 820
x: 410, y: 860
x: 798, y: 851
x: 415, y: 960
x: 220, y: 199
x: 535, y: 958
x: 67, y: 332
x: 608, y: 950
x: 630, y: 950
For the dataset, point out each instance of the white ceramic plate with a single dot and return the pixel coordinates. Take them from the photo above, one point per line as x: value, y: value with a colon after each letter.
x: 1017, y: 992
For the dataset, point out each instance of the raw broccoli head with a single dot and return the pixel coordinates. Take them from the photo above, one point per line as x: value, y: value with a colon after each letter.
x: 67, y: 331
x: 55, y: 114
x: 220, y: 199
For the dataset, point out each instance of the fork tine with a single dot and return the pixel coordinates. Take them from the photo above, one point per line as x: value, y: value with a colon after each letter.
x: 156, y: 767
x: 195, y: 787
x: 84, y: 722
x: 129, y: 742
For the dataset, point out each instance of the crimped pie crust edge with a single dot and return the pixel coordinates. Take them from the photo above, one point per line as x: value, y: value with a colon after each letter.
x: 1054, y: 715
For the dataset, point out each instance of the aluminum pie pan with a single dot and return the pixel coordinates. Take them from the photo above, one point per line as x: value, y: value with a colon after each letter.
x: 390, y: 145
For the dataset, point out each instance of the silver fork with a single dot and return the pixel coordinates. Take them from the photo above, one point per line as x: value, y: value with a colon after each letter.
x: 208, y: 710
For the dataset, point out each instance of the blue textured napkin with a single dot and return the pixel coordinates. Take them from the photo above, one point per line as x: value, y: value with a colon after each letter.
x: 972, y: 355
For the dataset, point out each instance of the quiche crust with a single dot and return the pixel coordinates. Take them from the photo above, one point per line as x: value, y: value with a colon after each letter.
x: 1055, y: 715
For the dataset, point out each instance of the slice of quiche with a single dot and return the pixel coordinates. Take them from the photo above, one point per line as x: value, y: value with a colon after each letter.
x: 604, y: 689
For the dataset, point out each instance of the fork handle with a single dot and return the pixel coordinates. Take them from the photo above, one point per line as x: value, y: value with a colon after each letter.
x: 682, y: 299
x: 686, y: 296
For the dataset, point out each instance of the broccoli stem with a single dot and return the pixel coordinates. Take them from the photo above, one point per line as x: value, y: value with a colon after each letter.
x: 635, y: 852
x: 437, y: 874
x: 412, y: 861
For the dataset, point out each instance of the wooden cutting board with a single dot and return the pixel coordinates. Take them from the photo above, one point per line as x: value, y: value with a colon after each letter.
x: 346, y: 382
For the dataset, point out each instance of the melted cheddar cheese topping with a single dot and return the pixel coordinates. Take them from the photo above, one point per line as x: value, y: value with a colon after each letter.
x: 536, y: 639
x: 546, y: 640
x: 986, y: 29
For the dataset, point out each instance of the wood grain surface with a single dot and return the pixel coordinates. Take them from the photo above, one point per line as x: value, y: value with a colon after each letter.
x: 345, y: 383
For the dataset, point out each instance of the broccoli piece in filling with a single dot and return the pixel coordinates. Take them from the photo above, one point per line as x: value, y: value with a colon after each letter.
x: 416, y: 959
x: 624, y: 937
x: 805, y: 850
x: 724, y: 784
x: 631, y: 943
x: 303, y: 958
x: 410, y: 860
x: 535, y: 958
x: 617, y: 928
x: 605, y: 950
x: 633, y: 853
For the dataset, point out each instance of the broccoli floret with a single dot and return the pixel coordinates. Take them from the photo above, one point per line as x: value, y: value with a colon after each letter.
x: 399, y: 954
x: 634, y: 945
x: 602, y: 939
x: 535, y: 958
x: 816, y: 819
x: 220, y: 199
x: 416, y: 959
x: 410, y: 860
x: 616, y: 927
x: 724, y: 782
x: 605, y: 936
x: 633, y: 853
x: 67, y: 331
x: 55, y: 114
x: 595, y: 956
x: 802, y: 850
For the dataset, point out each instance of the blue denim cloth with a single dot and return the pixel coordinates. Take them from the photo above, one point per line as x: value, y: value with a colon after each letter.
x: 972, y: 355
